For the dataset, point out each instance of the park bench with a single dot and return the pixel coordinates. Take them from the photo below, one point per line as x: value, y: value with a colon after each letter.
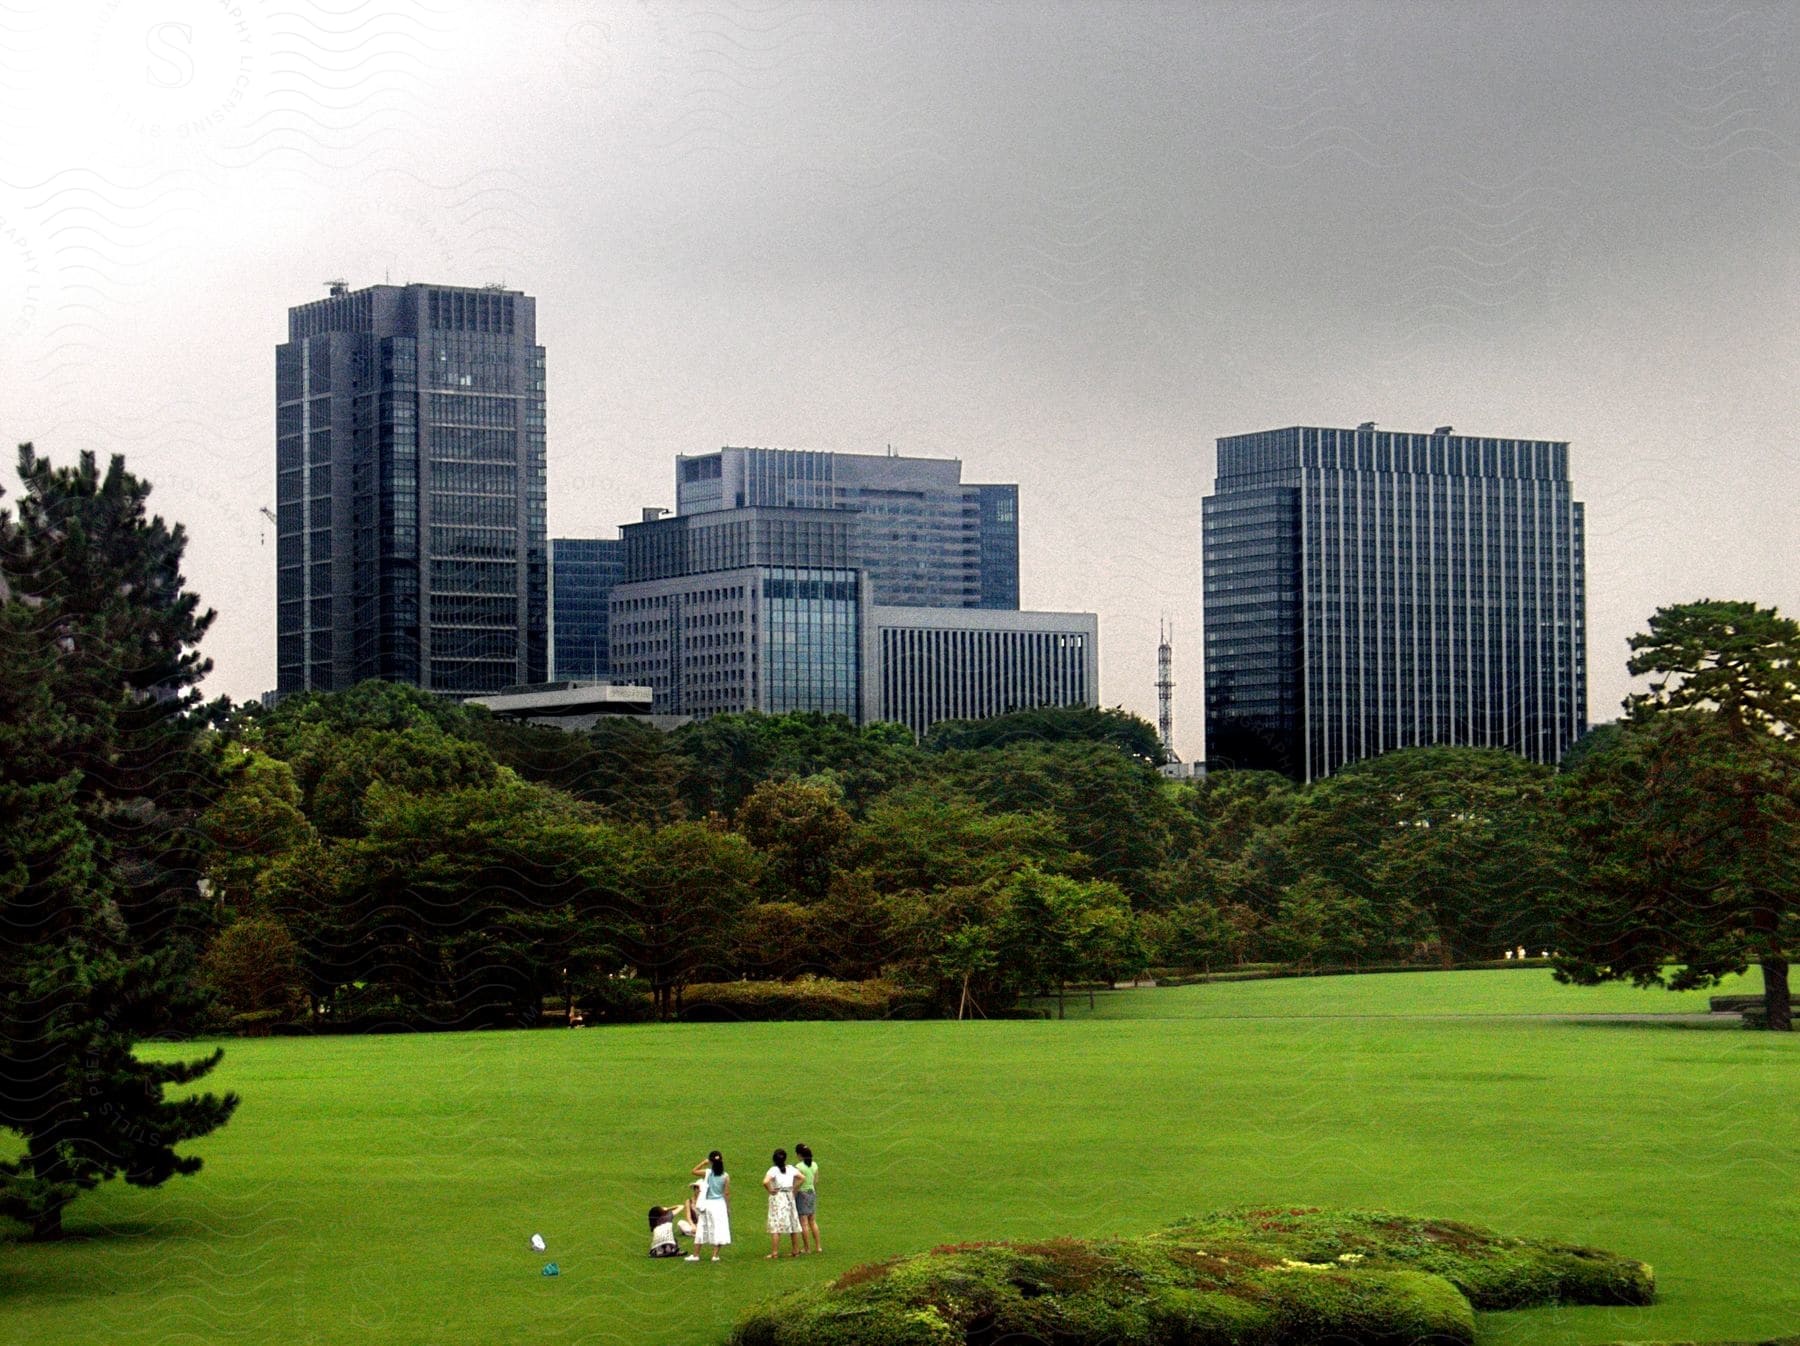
x: 1755, y: 1013
x: 1735, y: 1004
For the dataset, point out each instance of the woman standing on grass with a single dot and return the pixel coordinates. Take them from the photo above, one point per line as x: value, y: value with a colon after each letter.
x: 806, y: 1197
x: 779, y: 1182
x: 713, y: 1225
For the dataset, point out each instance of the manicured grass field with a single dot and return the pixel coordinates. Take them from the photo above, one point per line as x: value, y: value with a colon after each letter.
x: 383, y: 1189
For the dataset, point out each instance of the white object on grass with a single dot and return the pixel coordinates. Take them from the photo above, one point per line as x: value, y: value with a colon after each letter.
x: 537, y: 1243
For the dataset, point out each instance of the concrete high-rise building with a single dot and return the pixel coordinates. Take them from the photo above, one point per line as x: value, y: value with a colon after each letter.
x: 767, y: 608
x: 743, y: 609
x: 1367, y: 590
x: 583, y: 571
x: 925, y: 538
x: 410, y: 490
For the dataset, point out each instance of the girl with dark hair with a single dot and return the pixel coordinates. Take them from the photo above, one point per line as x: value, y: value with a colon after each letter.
x: 662, y: 1233
x: 806, y: 1197
x: 780, y: 1182
x: 712, y: 1221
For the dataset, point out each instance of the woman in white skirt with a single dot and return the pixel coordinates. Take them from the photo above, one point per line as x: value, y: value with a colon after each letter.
x: 779, y: 1181
x: 712, y: 1217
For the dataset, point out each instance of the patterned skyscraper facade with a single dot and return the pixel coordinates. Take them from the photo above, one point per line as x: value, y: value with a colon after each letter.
x: 410, y: 491
x: 1367, y: 590
x: 924, y: 537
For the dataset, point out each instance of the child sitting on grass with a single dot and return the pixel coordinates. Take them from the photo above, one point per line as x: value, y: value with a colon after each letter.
x: 662, y: 1230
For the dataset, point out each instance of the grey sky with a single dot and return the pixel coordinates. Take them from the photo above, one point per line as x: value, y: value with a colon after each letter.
x: 1070, y: 245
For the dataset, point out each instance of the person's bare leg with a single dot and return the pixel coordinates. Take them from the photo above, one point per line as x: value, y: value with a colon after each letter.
x: 774, y: 1247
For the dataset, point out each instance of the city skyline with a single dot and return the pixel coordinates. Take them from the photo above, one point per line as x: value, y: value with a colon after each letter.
x: 1069, y: 246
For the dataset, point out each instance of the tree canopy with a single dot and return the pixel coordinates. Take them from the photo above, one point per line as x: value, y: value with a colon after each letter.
x: 105, y: 767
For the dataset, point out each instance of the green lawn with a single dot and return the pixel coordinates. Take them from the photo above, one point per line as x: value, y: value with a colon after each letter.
x: 1524, y: 991
x: 383, y: 1189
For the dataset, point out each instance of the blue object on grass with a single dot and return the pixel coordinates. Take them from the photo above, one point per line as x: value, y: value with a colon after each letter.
x: 551, y: 1269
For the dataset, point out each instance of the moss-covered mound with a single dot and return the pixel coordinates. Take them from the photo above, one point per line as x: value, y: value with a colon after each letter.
x: 1239, y: 1278
x: 1494, y: 1271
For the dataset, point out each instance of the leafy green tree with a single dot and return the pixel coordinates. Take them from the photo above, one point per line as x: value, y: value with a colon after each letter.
x: 1202, y: 934
x: 1228, y: 808
x: 1054, y: 929
x: 728, y: 756
x: 948, y: 940
x: 1737, y: 660
x: 1464, y: 837
x: 335, y: 769
x: 847, y: 931
x: 105, y: 766
x: 372, y: 704
x: 966, y: 955
x: 1119, y: 728
x: 460, y: 907
x: 257, y: 819
x: 1114, y: 809
x: 1687, y: 826
x: 624, y: 766
x: 800, y: 829
x: 682, y: 890
x: 774, y: 940
x: 253, y: 965
x: 929, y: 836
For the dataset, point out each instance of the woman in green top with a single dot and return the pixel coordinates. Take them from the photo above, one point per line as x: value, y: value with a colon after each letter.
x: 806, y: 1197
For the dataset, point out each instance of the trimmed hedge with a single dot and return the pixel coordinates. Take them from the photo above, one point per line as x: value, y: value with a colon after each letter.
x: 1261, y: 1277
x: 802, y: 998
x: 1272, y: 972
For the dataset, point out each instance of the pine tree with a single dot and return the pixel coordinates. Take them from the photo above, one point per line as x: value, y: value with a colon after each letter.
x: 105, y: 764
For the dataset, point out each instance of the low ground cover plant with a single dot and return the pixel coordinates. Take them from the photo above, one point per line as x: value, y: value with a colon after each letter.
x: 1262, y: 1276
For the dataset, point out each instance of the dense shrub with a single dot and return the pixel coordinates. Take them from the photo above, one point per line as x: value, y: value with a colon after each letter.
x: 802, y: 998
x: 1494, y: 1271
x: 1264, y: 1277
x: 614, y: 1000
x: 1117, y: 1292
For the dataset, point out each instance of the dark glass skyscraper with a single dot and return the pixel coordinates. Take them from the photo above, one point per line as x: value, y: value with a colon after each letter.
x: 1367, y: 590
x: 410, y: 490
x: 583, y: 571
x: 924, y: 536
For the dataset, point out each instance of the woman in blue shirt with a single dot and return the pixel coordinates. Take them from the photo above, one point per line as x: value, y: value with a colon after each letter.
x: 712, y: 1224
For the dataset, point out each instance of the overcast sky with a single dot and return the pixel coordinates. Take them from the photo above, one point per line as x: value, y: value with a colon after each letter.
x: 1068, y: 244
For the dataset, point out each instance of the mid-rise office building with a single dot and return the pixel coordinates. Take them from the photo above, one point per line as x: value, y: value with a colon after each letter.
x: 924, y: 537
x: 767, y: 608
x: 583, y: 571
x: 410, y: 491
x: 936, y: 664
x: 1367, y: 590
x: 743, y: 609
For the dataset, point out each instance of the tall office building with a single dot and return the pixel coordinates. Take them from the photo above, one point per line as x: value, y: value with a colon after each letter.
x: 1367, y: 590
x: 925, y: 538
x: 410, y: 490
x: 583, y: 571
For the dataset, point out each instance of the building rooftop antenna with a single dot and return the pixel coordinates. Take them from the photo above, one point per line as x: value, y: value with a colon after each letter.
x: 1165, y: 690
x: 338, y: 286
